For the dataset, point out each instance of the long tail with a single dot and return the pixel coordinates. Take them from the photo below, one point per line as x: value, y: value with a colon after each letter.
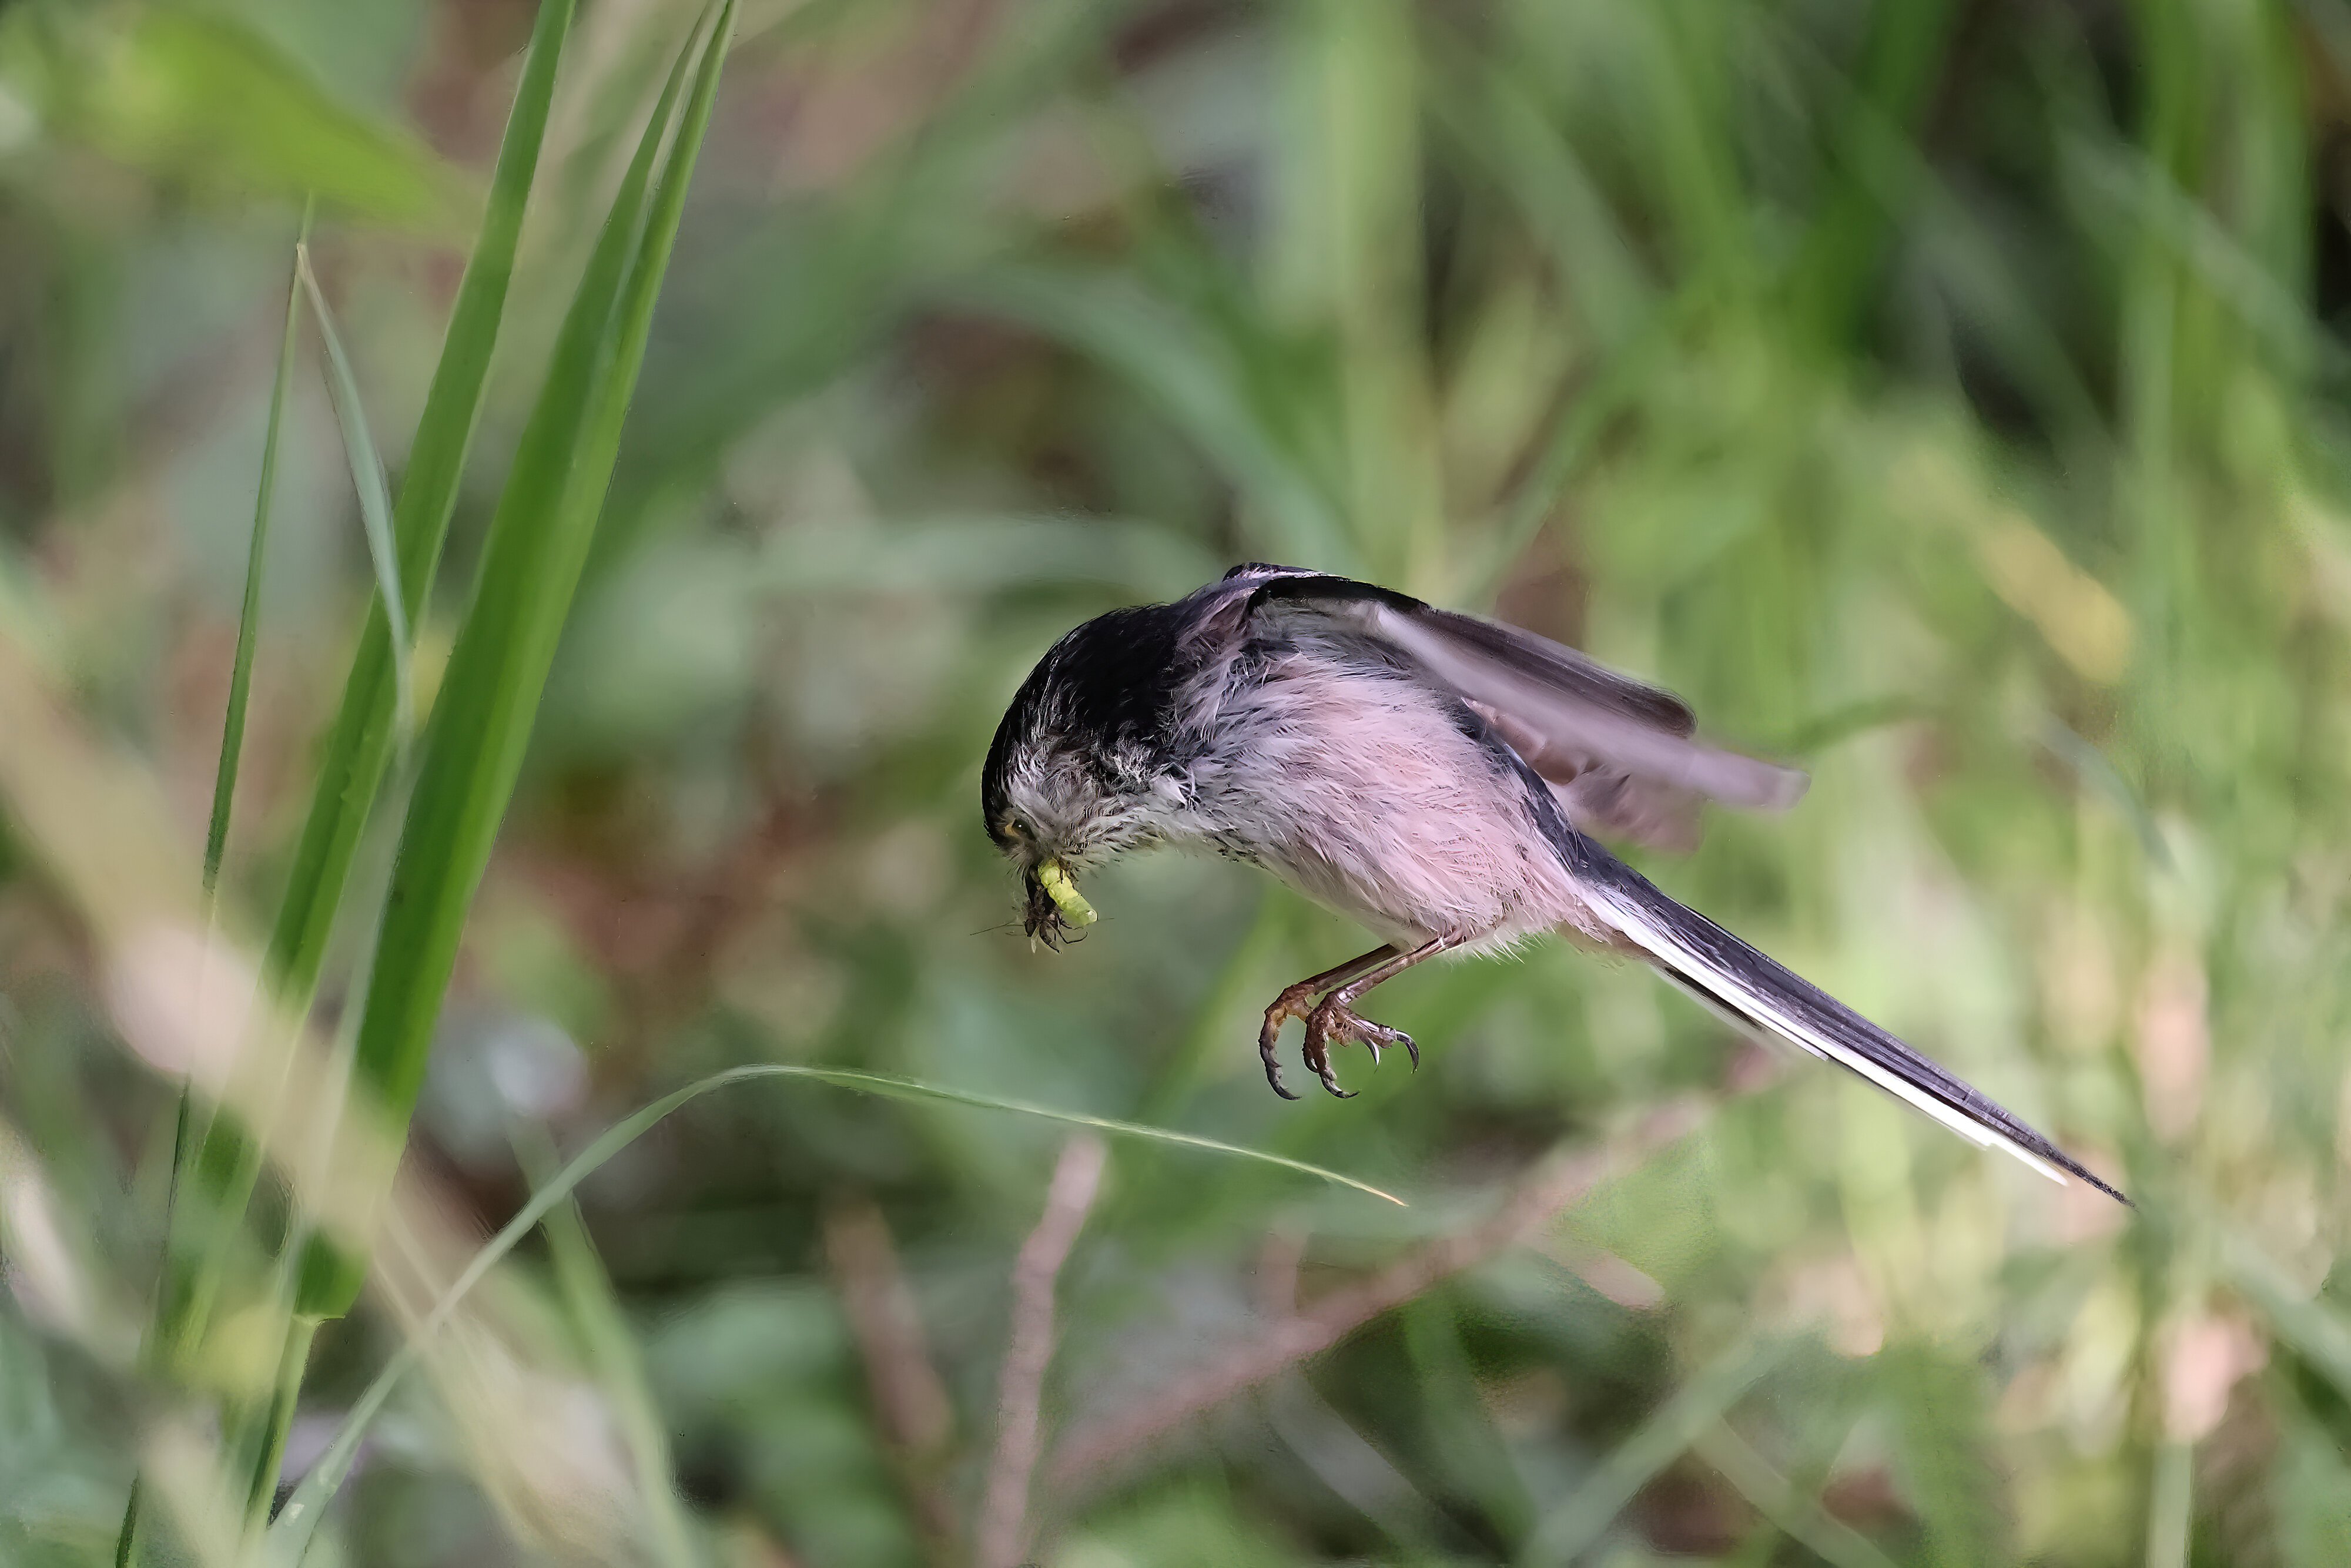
x: 1764, y: 997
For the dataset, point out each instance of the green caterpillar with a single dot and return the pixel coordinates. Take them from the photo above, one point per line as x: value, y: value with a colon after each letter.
x: 1064, y: 892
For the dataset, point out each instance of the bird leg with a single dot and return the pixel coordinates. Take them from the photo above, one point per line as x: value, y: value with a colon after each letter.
x: 1295, y: 1002
x: 1336, y: 1021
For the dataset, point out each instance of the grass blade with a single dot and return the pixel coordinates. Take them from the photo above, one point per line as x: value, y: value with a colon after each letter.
x: 248, y: 622
x: 197, y: 94
x: 230, y: 1182
x: 1801, y: 1519
x: 359, y: 742
x: 367, y: 479
x: 1854, y: 228
x: 539, y: 540
x: 300, y: 1517
x: 891, y: 1088
x: 232, y: 751
x: 126, y: 1542
x: 1581, y: 1518
x: 2307, y: 1324
x: 619, y: 1363
x: 269, y: 1451
x: 1192, y: 369
x: 226, y: 1162
x: 2171, y: 1505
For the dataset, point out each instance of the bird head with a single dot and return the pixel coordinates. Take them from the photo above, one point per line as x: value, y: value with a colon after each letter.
x: 1079, y: 769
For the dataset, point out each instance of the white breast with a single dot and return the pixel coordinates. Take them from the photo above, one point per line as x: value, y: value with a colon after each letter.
x: 1359, y: 790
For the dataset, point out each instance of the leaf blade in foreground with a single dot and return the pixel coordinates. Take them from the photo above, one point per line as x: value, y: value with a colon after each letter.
x: 483, y: 716
x: 359, y: 742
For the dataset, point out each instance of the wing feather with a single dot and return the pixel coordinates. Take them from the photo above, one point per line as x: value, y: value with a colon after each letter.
x: 1621, y: 755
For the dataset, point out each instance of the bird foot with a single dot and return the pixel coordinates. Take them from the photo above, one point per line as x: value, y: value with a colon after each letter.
x: 1332, y: 1021
x: 1336, y: 1023
x: 1295, y: 1002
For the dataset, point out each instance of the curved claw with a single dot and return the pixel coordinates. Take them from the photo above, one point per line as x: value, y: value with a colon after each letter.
x: 1332, y: 1021
x: 1376, y: 1037
x: 1290, y: 1004
x: 1320, y: 1027
x: 1318, y: 1057
x: 1265, y: 1049
x: 1336, y: 1023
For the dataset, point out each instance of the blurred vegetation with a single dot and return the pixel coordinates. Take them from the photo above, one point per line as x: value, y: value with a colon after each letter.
x: 1950, y: 395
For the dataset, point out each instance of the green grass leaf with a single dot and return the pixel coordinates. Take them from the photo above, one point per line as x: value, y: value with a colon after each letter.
x: 359, y: 742
x: 1801, y: 1519
x: 1198, y: 370
x: 232, y: 748
x: 367, y: 480
x: 249, y: 621
x: 537, y: 543
x: 358, y: 745
x: 2317, y: 1331
x: 230, y: 1182
x: 299, y: 1517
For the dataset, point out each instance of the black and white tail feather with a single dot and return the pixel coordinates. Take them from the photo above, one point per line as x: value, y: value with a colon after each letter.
x: 1756, y: 993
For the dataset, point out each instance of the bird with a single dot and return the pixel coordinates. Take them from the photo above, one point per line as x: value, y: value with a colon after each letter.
x: 1442, y: 780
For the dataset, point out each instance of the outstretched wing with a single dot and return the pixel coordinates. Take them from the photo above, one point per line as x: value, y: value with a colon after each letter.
x: 1621, y: 755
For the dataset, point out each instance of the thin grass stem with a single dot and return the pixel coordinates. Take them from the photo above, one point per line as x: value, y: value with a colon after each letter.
x: 369, y: 483
x: 293, y: 1360
x: 1581, y: 1517
x: 225, y: 775
x: 248, y: 622
x: 126, y: 1540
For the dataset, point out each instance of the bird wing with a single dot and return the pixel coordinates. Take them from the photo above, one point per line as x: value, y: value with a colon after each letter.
x: 1621, y: 755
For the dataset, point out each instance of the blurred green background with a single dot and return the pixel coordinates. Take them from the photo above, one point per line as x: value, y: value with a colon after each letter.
x: 1949, y: 394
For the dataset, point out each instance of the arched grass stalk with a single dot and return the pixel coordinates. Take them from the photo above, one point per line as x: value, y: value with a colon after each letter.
x: 299, y: 1517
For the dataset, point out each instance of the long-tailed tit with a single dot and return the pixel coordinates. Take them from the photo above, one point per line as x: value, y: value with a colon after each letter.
x: 1428, y: 774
